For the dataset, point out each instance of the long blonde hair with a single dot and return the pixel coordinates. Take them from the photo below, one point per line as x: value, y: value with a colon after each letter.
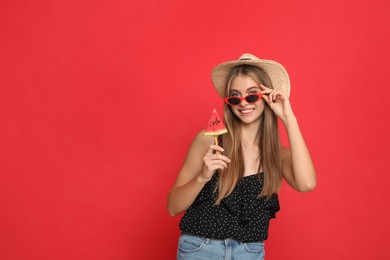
x: 267, y: 139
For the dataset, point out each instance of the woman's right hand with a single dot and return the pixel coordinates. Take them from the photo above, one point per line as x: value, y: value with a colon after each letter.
x: 212, y: 161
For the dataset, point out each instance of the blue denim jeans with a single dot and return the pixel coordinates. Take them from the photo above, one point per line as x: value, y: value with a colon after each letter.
x: 194, y: 247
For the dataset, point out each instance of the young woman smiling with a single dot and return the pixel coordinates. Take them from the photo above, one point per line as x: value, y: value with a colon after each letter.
x: 229, y: 192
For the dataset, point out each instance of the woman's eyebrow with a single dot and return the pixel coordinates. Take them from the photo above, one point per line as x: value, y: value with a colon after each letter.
x: 249, y: 89
x: 252, y: 88
x: 234, y: 90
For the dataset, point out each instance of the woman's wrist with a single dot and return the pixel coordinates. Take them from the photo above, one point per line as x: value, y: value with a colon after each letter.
x: 200, y: 179
x: 288, y: 120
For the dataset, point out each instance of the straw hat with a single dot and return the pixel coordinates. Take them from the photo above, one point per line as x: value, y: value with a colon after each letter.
x: 276, y: 72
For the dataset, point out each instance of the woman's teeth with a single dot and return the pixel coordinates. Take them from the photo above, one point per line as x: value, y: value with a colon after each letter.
x: 246, y: 111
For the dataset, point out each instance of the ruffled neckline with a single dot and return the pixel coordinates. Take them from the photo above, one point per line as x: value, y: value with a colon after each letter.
x: 244, y: 200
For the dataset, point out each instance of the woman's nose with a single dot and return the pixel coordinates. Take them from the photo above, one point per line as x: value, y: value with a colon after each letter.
x: 243, y: 102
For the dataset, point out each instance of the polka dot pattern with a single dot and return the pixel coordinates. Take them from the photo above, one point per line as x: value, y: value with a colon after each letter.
x: 241, y: 216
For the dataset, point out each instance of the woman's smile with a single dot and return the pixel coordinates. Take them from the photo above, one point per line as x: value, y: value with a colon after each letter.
x: 246, y: 111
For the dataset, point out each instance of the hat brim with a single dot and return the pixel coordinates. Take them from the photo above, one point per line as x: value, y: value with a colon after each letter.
x: 277, y: 73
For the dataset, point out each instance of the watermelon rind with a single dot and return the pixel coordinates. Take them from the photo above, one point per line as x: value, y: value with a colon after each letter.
x: 223, y: 131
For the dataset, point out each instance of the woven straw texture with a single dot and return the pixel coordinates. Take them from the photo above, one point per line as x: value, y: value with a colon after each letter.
x: 277, y: 73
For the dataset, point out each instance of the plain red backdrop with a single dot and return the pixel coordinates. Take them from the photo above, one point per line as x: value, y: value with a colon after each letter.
x: 100, y: 100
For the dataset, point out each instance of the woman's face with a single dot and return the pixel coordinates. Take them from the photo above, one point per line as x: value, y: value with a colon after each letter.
x: 242, y: 86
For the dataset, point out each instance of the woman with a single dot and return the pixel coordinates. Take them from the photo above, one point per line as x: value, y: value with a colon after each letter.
x: 230, y: 191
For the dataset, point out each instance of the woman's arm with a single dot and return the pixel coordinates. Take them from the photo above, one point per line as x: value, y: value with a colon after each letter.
x: 198, y: 168
x: 298, y: 168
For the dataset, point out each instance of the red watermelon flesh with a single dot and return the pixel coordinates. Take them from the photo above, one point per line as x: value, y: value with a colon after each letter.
x: 215, y: 125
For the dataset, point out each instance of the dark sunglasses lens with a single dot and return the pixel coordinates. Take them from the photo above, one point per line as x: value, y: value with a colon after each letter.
x: 234, y: 101
x: 252, y: 98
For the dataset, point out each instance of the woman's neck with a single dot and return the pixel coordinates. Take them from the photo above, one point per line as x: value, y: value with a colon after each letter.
x: 249, y: 134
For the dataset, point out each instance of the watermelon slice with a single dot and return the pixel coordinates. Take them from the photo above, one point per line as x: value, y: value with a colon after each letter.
x: 215, y: 125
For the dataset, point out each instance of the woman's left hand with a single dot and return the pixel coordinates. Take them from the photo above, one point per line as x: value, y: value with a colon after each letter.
x: 278, y: 102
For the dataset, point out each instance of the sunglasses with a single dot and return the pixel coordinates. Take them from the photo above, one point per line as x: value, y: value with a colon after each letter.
x: 235, y: 100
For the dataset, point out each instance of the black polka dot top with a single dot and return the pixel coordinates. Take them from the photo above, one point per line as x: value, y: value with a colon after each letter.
x: 241, y: 216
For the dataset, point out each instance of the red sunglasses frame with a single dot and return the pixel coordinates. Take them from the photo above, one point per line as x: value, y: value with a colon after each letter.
x: 242, y: 98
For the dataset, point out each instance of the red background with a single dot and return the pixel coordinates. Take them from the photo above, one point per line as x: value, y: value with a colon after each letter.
x: 100, y: 100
